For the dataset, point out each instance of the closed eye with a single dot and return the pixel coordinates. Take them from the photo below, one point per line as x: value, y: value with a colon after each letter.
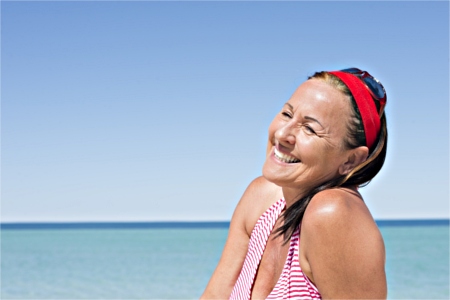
x: 309, y: 129
x: 286, y: 114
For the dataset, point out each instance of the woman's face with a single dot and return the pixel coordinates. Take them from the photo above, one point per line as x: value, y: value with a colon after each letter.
x: 306, y: 139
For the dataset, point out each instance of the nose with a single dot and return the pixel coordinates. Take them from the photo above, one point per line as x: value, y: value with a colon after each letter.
x: 286, y: 134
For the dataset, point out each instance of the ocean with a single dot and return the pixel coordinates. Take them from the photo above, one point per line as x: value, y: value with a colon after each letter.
x: 176, y: 260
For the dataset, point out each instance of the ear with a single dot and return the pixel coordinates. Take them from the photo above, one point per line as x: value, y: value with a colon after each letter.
x: 355, y: 157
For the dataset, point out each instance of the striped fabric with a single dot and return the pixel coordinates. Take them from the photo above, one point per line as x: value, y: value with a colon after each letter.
x: 292, y: 284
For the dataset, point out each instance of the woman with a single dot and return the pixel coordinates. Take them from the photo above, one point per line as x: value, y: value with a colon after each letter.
x: 302, y: 230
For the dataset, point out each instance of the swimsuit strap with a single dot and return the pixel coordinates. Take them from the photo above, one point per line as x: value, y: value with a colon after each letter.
x: 293, y: 283
x: 256, y: 246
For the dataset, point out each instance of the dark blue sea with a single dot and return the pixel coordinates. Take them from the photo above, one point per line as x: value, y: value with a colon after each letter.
x: 175, y: 260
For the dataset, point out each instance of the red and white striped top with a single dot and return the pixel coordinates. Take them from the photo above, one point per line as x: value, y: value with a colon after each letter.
x: 292, y: 284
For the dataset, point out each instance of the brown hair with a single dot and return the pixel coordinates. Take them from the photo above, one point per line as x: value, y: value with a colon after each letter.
x: 359, y: 176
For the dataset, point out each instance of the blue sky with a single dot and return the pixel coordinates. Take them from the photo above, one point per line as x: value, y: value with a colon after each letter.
x: 150, y: 111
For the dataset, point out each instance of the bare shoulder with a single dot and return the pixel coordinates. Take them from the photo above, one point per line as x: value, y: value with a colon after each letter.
x: 341, y: 213
x: 337, y: 206
x: 258, y: 197
x: 343, y: 247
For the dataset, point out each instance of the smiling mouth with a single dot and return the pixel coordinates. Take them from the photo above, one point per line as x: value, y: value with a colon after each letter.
x: 285, y: 157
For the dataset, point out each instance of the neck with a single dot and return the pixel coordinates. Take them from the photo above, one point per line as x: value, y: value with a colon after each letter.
x: 292, y: 195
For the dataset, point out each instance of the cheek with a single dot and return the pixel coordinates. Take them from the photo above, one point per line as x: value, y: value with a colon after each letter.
x: 314, y: 151
x: 272, y: 129
x: 271, y: 140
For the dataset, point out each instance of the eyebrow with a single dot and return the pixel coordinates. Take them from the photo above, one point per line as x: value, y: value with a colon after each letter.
x: 306, y: 117
x: 290, y: 105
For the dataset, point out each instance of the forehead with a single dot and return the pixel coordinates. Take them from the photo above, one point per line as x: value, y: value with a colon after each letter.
x: 317, y: 98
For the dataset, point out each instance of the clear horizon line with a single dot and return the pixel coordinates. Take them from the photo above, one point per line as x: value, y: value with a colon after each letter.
x: 184, y: 224
x: 186, y: 221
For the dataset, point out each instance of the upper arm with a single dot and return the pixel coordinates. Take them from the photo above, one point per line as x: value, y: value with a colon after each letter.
x: 250, y: 207
x: 343, y: 247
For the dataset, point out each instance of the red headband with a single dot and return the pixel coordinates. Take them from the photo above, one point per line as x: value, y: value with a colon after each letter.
x: 366, y: 106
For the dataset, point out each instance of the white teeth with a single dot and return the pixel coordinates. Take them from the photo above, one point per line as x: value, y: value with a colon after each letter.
x: 285, y: 157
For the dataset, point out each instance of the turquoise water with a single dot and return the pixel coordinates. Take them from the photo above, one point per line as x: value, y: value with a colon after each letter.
x: 417, y: 262
x: 177, y: 263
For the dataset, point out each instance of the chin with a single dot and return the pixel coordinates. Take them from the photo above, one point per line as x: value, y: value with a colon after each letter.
x: 273, y: 176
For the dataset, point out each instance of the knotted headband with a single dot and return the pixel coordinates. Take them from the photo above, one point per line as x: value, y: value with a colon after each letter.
x: 366, y: 106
